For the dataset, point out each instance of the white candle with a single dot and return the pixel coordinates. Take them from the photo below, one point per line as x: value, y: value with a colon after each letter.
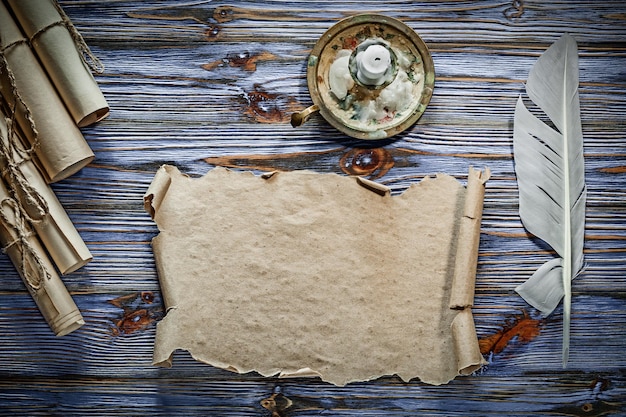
x: 372, y: 64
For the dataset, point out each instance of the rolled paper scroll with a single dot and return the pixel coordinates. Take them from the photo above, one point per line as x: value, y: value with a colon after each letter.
x: 56, y: 46
x: 466, y: 349
x: 59, y: 145
x: 46, y: 214
x: 466, y: 259
x: 35, y: 269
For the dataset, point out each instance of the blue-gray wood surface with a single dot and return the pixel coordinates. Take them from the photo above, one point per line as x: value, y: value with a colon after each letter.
x: 205, y: 83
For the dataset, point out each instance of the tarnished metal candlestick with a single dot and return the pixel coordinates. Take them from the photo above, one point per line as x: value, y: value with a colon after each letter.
x: 370, y: 76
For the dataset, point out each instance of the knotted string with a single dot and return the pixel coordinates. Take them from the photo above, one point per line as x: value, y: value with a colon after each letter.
x: 86, y: 55
x: 31, y: 264
x: 11, y: 156
x: 17, y: 97
x: 13, y: 148
x: 10, y: 149
x: 12, y: 213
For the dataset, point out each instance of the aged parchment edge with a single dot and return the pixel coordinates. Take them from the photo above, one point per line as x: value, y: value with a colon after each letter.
x: 467, y: 351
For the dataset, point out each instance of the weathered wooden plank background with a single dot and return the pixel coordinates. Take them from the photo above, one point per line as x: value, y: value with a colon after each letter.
x: 203, y: 83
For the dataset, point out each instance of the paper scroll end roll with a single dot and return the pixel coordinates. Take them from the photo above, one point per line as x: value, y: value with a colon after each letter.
x: 68, y: 323
x: 72, y: 168
x: 469, y: 358
x: 94, y: 117
x: 466, y: 258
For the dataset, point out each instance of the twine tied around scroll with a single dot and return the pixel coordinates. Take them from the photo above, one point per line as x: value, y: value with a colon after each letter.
x: 12, y: 215
x: 13, y: 145
x: 88, y: 57
x: 31, y: 264
x: 17, y: 97
x: 17, y: 182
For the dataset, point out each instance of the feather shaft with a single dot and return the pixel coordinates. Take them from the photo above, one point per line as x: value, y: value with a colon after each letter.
x: 567, y: 223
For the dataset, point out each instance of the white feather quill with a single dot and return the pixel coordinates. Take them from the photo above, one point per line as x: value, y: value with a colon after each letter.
x: 550, y: 172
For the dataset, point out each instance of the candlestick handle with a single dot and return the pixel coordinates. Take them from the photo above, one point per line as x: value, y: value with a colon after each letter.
x: 299, y: 118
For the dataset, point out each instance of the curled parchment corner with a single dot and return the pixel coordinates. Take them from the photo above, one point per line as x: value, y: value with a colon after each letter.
x: 158, y: 189
x: 304, y: 274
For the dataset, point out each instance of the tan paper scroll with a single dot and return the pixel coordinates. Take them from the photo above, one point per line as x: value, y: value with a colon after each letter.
x: 298, y: 273
x: 48, y: 217
x: 57, y: 50
x: 38, y: 274
x: 60, y: 147
x: 467, y: 254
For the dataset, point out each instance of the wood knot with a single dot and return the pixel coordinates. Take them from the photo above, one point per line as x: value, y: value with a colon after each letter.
x: 521, y: 328
x: 223, y: 14
x: 139, y: 311
x: 212, y: 33
x: 515, y: 11
x: 372, y: 162
x: 244, y: 60
x: 277, y: 403
x: 268, y: 107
